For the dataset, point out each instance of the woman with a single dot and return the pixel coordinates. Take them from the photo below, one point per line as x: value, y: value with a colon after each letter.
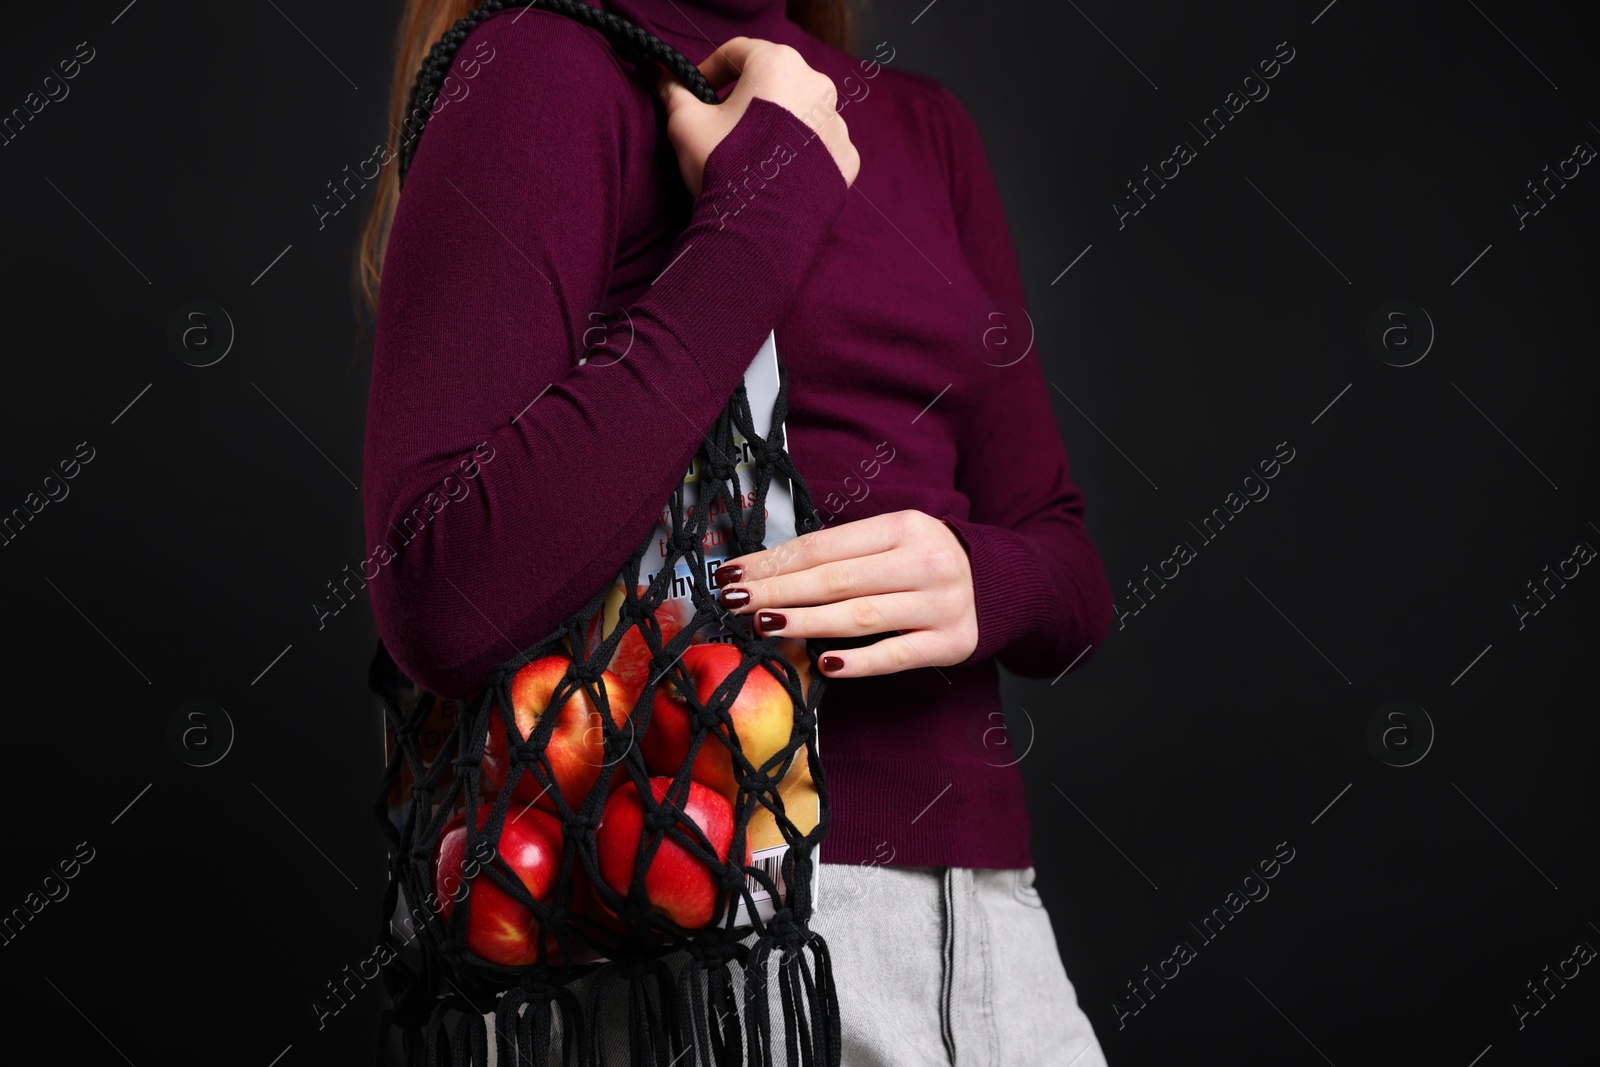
x: 550, y: 200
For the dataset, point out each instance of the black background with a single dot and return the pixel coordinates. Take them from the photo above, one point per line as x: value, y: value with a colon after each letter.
x: 1224, y: 718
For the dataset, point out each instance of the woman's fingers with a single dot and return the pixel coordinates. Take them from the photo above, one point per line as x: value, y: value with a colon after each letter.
x: 671, y: 90
x: 901, y: 652
x: 894, y: 571
x: 855, y: 617
x: 851, y: 540
x: 775, y: 72
x: 727, y: 61
x: 905, y: 574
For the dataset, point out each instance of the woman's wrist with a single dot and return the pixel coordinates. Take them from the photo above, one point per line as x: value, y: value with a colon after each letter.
x: 748, y: 246
x: 770, y: 173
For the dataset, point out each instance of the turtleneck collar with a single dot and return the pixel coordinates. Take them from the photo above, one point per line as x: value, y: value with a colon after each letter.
x: 695, y: 27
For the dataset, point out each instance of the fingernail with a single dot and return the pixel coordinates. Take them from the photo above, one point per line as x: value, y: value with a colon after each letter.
x: 831, y: 664
x: 735, y: 598
x: 729, y: 573
x: 770, y: 620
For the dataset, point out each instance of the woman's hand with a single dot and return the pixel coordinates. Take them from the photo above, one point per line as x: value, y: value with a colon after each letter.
x: 905, y: 574
x: 774, y: 72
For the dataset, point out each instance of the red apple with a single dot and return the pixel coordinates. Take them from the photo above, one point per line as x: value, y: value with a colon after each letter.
x: 679, y: 885
x: 631, y: 661
x: 576, y: 749
x: 762, y: 714
x: 499, y: 927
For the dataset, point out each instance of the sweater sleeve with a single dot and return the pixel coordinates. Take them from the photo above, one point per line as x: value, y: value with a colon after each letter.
x: 513, y: 463
x: 1043, y: 599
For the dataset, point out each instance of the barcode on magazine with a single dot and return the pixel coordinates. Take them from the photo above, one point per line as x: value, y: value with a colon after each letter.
x: 769, y: 863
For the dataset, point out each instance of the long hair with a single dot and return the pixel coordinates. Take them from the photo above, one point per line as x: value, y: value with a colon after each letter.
x: 422, y: 22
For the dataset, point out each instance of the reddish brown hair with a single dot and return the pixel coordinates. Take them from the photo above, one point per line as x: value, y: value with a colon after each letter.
x: 422, y: 22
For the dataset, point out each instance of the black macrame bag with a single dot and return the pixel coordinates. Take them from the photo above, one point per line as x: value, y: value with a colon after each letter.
x: 712, y: 1008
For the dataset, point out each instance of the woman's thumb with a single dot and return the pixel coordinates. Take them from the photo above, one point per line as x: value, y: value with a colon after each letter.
x: 672, y: 92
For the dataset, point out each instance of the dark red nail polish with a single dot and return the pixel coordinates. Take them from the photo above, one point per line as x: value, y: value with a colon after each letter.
x: 729, y: 573
x: 831, y: 664
x: 770, y: 620
x: 735, y: 598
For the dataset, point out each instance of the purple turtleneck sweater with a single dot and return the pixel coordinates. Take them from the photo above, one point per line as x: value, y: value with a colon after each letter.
x: 516, y: 454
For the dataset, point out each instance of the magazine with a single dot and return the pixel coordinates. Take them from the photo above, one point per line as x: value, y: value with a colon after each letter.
x: 800, y: 800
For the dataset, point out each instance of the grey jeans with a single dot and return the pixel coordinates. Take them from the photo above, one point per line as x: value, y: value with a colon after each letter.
x: 939, y: 967
x: 949, y: 966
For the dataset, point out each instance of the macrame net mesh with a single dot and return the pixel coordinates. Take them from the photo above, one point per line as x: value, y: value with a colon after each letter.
x: 696, y: 994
